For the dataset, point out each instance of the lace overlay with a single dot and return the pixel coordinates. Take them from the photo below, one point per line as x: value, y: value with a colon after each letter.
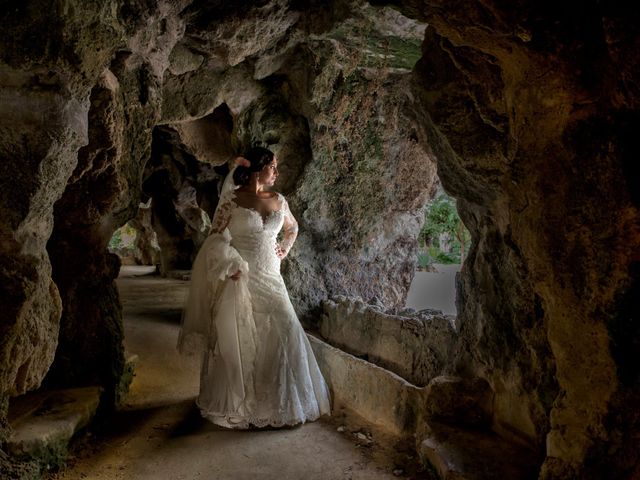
x: 271, y: 376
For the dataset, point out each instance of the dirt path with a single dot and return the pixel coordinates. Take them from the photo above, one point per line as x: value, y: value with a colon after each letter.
x: 159, y: 434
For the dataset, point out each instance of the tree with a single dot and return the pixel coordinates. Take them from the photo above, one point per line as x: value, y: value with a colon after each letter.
x: 442, y: 217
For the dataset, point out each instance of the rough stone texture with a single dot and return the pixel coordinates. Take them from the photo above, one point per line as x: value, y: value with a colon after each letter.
x: 333, y: 105
x: 190, y: 96
x: 101, y: 195
x: 416, y: 348
x: 359, y: 207
x: 42, y: 127
x: 147, y: 250
x: 273, y: 122
x: 453, y: 400
x: 44, y: 122
x: 180, y: 187
x: 50, y: 63
x: 90, y: 340
x: 209, y: 138
x: 530, y: 112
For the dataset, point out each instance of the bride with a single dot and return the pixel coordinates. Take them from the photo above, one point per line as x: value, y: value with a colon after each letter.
x: 258, y: 368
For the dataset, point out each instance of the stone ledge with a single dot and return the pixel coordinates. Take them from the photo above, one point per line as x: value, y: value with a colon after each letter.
x: 457, y: 452
x: 44, y: 422
x: 378, y: 395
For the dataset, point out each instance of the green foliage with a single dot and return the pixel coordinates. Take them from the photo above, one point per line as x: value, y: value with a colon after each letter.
x: 378, y: 50
x: 123, y: 240
x: 438, y: 256
x: 424, y: 260
x: 441, y: 218
x: 116, y: 240
x: 397, y: 52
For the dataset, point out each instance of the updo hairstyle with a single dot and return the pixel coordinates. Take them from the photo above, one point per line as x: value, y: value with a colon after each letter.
x: 259, y: 157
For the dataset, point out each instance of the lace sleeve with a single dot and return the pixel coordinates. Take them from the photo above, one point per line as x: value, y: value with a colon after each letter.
x: 289, y: 230
x: 222, y: 215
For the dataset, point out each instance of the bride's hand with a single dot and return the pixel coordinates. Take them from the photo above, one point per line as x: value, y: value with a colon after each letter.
x: 235, y: 276
x: 280, y: 252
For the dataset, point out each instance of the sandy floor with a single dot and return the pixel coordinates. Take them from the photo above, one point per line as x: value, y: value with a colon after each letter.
x: 159, y: 434
x: 434, y: 289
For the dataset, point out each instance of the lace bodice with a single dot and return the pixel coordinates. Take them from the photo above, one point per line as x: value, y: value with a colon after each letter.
x: 253, y: 235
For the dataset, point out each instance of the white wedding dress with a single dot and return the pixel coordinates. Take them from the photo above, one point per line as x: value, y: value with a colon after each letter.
x: 258, y: 367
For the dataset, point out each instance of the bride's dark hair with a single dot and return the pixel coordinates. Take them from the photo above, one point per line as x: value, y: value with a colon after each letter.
x: 259, y: 157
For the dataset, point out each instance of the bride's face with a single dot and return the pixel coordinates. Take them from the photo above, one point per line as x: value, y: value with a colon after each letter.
x: 269, y: 173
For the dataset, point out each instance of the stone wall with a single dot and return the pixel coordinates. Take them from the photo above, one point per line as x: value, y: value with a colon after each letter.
x: 101, y: 77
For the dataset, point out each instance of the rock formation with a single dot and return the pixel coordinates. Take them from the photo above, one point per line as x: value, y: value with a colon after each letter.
x: 73, y: 81
x: 529, y: 112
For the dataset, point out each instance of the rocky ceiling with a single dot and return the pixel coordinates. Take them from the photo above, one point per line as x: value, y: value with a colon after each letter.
x: 528, y: 111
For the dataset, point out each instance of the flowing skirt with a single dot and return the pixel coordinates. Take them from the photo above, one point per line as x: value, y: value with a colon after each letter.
x: 282, y: 383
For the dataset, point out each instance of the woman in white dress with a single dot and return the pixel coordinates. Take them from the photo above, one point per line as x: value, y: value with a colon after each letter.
x: 258, y: 367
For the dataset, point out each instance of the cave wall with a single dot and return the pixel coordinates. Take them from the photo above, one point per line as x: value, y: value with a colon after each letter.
x: 59, y: 66
x: 314, y: 89
x: 44, y: 123
x: 529, y: 113
x: 101, y: 195
x: 339, y: 116
x: 183, y: 193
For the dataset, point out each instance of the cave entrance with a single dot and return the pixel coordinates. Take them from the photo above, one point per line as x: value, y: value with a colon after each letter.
x: 179, y: 195
x: 443, y: 244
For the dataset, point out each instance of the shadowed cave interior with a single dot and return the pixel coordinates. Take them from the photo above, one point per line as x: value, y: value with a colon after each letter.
x: 127, y: 112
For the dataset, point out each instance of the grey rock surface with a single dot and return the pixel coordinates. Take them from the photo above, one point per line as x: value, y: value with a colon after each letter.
x: 416, y: 347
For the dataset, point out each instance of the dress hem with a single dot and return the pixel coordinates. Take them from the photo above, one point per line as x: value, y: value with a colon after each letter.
x: 239, y: 422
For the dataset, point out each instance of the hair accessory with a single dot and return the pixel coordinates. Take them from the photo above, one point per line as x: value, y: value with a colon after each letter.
x: 243, y: 162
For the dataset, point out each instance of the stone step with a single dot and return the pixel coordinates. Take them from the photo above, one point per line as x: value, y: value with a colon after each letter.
x: 44, y: 422
x: 464, y: 454
x: 378, y: 395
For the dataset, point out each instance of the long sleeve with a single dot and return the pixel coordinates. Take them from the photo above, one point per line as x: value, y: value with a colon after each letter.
x: 289, y: 229
x: 222, y: 216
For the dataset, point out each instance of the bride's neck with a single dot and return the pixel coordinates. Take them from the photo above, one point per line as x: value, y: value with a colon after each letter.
x: 254, y: 186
